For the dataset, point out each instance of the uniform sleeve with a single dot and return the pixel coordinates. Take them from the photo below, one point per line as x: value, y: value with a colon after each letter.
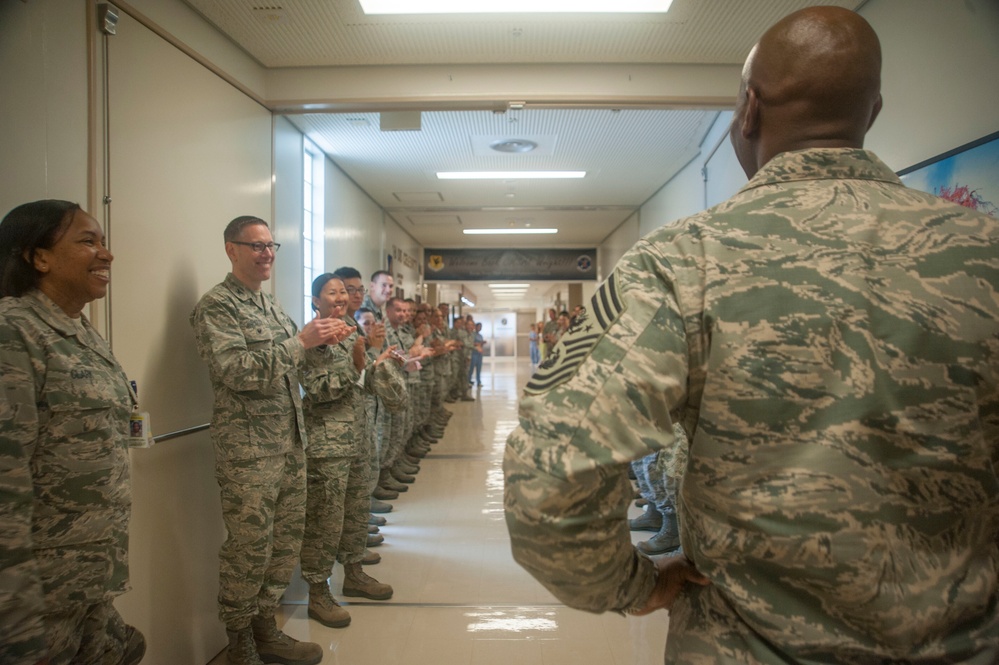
x: 22, y: 636
x: 387, y: 381
x: 329, y: 374
x: 237, y: 363
x: 608, y: 394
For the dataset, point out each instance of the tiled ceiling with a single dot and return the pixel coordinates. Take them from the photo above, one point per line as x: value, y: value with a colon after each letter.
x: 309, y: 33
x: 628, y: 154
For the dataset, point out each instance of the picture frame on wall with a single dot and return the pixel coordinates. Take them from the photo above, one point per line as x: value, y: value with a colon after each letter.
x: 967, y: 175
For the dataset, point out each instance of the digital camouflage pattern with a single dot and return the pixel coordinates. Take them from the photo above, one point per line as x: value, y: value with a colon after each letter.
x: 332, y: 401
x: 65, y: 488
x: 385, y: 391
x: 338, y: 497
x: 254, y: 358
x: 829, y: 340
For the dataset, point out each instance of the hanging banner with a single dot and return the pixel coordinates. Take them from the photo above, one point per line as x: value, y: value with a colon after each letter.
x: 445, y: 265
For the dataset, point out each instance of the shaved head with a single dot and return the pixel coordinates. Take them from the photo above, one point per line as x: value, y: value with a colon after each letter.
x: 812, y: 81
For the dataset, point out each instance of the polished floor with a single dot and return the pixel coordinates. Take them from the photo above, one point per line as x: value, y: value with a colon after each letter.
x: 459, y: 597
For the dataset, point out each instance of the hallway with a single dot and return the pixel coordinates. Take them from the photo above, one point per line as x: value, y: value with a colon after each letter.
x: 459, y: 597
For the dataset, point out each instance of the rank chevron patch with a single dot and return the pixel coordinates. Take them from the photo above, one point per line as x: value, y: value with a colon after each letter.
x: 584, y: 333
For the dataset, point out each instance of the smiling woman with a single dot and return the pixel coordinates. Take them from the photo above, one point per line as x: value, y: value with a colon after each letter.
x: 65, y: 493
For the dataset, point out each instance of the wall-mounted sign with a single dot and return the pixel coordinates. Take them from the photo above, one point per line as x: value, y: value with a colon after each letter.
x: 442, y: 265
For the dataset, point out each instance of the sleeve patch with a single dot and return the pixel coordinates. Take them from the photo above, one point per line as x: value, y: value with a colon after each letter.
x: 579, y: 340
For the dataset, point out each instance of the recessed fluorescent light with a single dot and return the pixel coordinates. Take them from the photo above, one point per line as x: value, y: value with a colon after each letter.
x: 512, y: 6
x: 503, y: 175
x: 508, y: 286
x: 486, y: 232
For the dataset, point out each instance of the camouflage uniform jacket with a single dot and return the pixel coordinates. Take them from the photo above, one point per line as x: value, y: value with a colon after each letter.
x: 442, y: 362
x: 829, y: 340
x: 404, y: 338
x: 467, y: 344
x: 368, y: 303
x: 254, y: 356
x: 332, y: 404
x: 65, y: 490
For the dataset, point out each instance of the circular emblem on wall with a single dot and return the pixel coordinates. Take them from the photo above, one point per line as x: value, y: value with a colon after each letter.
x: 584, y: 263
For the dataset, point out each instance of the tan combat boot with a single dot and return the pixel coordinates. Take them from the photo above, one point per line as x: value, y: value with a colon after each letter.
x: 242, y: 648
x: 358, y: 583
x: 276, y: 647
x: 324, y: 608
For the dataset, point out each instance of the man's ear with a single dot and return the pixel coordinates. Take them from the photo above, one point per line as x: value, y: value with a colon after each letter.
x: 875, y: 111
x: 749, y: 122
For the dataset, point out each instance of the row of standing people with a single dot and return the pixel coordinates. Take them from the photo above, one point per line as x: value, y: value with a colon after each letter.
x: 64, y: 427
x: 372, y: 408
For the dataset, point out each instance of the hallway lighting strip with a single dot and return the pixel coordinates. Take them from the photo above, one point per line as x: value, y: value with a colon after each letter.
x: 514, y: 6
x: 486, y: 232
x: 508, y: 175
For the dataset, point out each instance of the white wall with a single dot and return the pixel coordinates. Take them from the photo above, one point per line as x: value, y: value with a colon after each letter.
x: 354, y: 226
x: 939, y: 63
x: 287, y: 219
x: 181, y: 167
x: 43, y: 102
x: 406, y: 277
x: 613, y: 248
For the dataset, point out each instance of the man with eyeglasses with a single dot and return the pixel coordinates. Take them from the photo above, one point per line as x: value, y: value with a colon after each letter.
x: 254, y: 354
x: 355, y: 293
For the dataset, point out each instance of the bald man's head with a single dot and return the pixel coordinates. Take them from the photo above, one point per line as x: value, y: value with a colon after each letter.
x: 813, y: 80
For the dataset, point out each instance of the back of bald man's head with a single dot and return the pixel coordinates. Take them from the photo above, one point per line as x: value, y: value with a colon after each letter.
x: 817, y: 73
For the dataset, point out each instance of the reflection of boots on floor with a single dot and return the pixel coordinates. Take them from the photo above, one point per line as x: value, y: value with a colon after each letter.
x: 668, y: 538
x: 650, y: 520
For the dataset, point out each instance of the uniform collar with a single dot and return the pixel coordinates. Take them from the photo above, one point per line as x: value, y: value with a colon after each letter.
x: 241, y: 291
x: 823, y: 164
x: 52, y: 314
x: 49, y: 312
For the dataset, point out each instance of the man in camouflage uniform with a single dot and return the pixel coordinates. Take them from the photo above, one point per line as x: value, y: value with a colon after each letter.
x: 392, y: 427
x: 829, y: 340
x: 254, y: 354
x: 379, y: 291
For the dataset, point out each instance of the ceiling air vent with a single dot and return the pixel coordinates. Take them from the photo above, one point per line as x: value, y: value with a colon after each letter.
x: 270, y: 14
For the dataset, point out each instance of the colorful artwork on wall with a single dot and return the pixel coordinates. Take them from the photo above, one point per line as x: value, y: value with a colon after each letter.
x: 967, y: 175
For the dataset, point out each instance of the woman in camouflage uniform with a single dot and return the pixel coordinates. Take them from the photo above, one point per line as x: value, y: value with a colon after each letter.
x: 338, y: 496
x: 65, y: 492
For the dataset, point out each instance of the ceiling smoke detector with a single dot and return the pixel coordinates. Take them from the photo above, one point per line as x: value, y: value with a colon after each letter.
x: 513, y: 145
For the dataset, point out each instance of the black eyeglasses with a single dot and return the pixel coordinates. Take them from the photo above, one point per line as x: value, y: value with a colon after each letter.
x: 354, y: 290
x: 259, y: 247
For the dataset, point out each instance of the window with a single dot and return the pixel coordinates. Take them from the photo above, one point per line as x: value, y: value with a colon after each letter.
x: 313, y: 247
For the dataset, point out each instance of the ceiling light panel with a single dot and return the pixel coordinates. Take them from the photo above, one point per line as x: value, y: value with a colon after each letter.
x: 508, y: 175
x: 515, y: 6
x: 487, y: 232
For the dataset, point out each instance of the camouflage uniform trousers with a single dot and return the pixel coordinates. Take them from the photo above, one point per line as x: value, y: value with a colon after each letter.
x: 391, y: 431
x: 85, y: 635
x: 373, y: 408
x: 422, y: 414
x: 466, y: 371
x: 655, y: 485
x: 263, y: 507
x: 337, y: 506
